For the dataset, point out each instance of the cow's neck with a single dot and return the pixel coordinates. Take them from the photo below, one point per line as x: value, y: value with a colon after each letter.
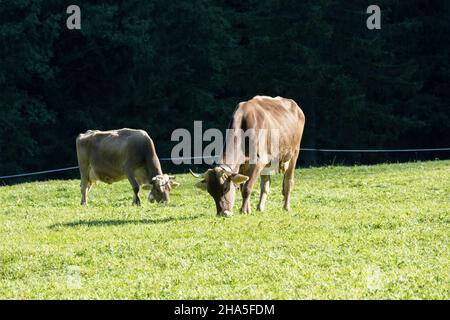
x: 154, y: 167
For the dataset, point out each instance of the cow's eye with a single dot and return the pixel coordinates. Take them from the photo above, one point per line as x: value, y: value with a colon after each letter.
x: 226, y: 187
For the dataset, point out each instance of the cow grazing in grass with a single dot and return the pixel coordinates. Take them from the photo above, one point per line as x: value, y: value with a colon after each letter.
x: 111, y: 156
x: 277, y: 115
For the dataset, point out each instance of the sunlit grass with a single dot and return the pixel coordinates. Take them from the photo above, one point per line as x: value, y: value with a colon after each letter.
x: 370, y: 232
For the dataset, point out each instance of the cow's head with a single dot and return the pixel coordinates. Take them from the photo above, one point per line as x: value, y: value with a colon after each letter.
x: 221, y: 184
x: 160, y: 188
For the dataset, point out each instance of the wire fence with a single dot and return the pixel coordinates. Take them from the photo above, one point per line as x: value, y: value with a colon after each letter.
x: 20, y: 175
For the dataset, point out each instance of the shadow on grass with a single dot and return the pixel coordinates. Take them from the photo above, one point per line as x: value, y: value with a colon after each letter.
x: 109, y: 223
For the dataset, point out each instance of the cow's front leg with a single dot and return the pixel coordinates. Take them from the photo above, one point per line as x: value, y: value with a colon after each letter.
x: 248, y: 187
x: 245, y: 209
x: 135, y: 186
x: 265, y: 188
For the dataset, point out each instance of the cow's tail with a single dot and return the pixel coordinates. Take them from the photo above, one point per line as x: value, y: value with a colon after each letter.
x: 233, y: 143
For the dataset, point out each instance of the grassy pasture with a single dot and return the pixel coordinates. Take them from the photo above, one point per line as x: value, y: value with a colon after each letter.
x: 363, y: 232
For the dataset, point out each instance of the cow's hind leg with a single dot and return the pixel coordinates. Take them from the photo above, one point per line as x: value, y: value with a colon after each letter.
x: 265, y: 188
x: 84, y: 186
x: 135, y: 187
x: 288, y: 182
x: 83, y: 165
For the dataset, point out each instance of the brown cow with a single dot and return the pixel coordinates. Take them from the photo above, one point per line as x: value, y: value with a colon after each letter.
x: 111, y: 156
x: 279, y: 114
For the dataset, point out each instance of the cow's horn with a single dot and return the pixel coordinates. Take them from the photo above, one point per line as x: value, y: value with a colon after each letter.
x: 199, y: 176
x: 172, y: 177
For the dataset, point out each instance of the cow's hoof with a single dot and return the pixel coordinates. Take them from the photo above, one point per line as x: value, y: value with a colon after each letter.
x: 226, y: 214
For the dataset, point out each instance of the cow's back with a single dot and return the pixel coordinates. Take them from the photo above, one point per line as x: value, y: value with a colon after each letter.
x: 281, y: 114
x: 107, y: 153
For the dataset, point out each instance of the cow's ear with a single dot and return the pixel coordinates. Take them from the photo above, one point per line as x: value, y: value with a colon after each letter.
x: 239, y: 178
x: 201, y: 185
x: 173, y: 184
x: 146, y: 187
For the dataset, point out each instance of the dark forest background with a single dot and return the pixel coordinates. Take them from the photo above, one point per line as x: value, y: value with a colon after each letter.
x: 159, y: 65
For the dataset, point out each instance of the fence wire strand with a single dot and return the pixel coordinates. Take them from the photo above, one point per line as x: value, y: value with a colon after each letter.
x: 19, y: 175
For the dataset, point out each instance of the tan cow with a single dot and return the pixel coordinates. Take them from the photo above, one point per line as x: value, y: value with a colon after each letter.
x: 111, y: 156
x: 280, y: 115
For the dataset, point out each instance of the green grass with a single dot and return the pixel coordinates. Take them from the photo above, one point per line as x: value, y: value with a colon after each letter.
x: 366, y: 232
